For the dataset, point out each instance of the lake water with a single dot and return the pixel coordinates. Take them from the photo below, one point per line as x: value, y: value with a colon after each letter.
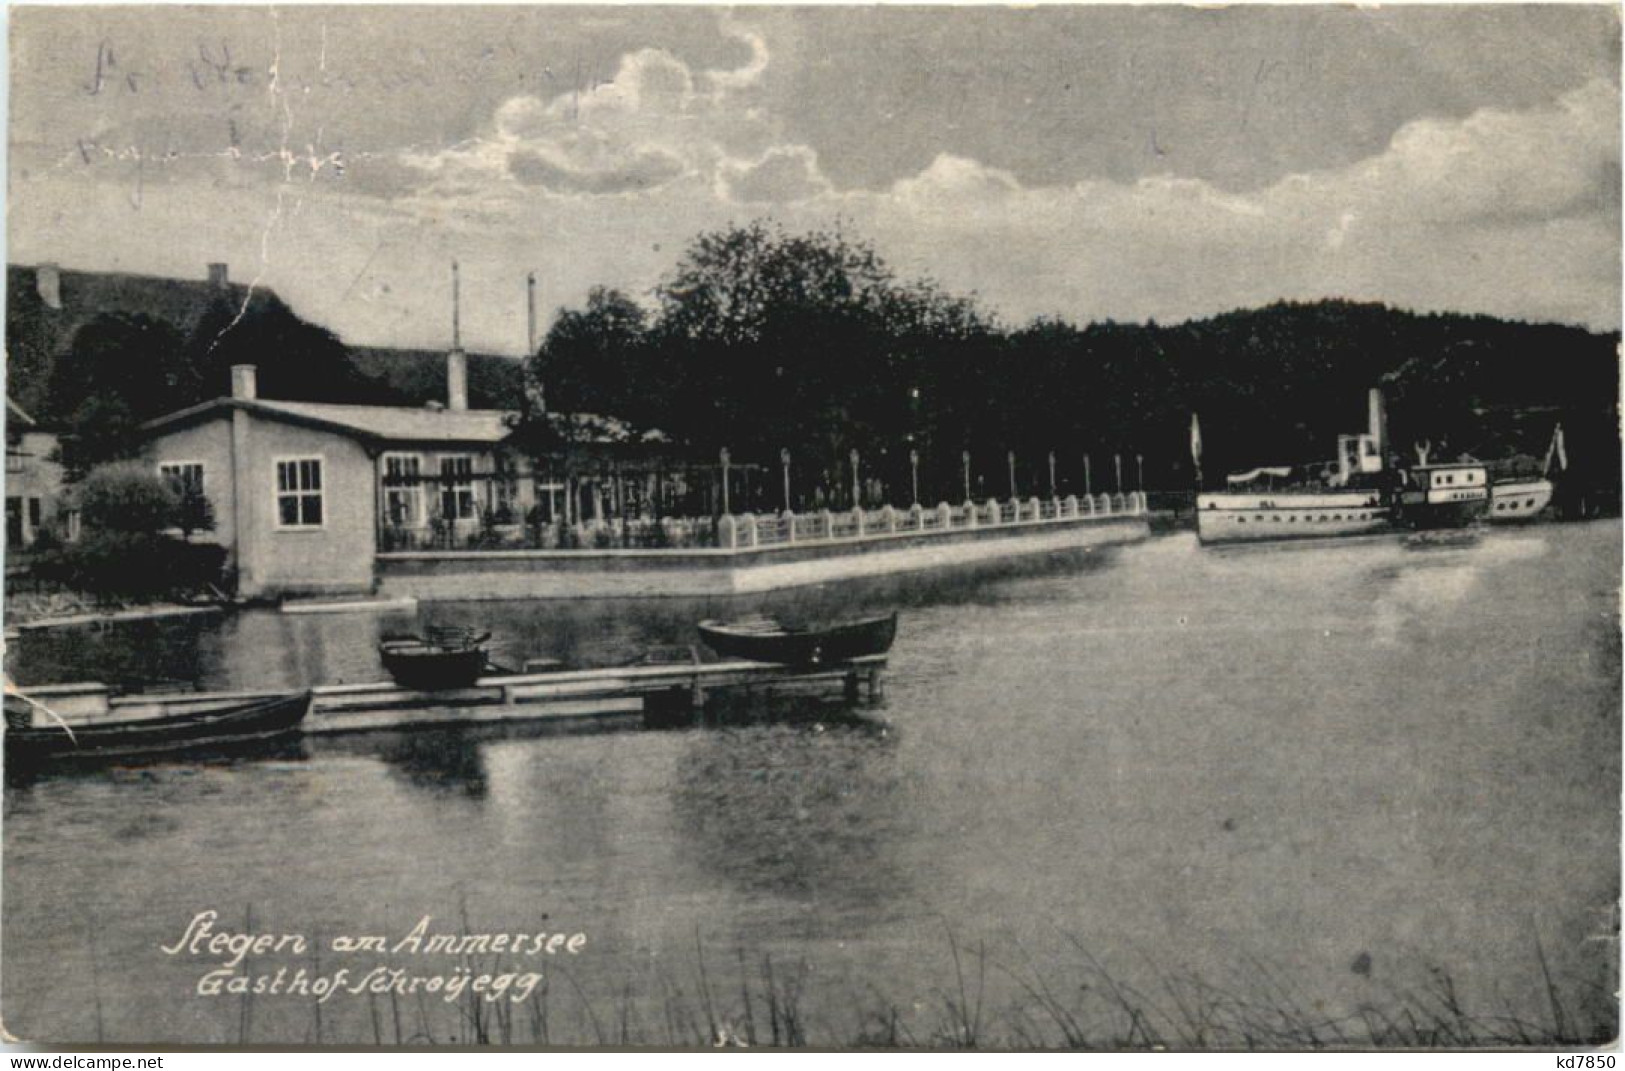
x: 1309, y: 784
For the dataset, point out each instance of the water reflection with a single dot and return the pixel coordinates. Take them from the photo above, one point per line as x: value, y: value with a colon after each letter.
x: 270, y: 649
x: 806, y: 812
x: 149, y: 767
x: 452, y: 760
x: 439, y: 760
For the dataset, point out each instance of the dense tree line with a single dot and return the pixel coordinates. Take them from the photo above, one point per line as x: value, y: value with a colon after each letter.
x: 761, y: 340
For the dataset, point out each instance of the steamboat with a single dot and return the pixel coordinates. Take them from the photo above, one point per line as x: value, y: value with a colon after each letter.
x: 1360, y: 494
x: 1451, y: 495
x: 1352, y: 497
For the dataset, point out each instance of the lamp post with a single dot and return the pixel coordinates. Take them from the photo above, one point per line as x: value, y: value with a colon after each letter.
x: 1052, y: 473
x: 964, y: 457
x: 857, y: 498
x: 784, y: 465
x: 1011, y: 458
x: 724, y: 457
x: 914, y: 475
x: 1117, y: 463
x: 1088, y: 484
x: 1139, y: 471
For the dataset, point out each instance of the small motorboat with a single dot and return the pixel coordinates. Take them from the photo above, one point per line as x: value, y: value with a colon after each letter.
x: 765, y: 639
x: 35, y: 736
x: 443, y: 658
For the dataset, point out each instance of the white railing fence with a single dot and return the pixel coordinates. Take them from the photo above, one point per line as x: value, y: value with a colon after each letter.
x: 746, y: 531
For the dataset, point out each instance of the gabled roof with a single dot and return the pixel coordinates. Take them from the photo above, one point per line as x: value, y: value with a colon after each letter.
x: 404, y: 422
x: 375, y: 423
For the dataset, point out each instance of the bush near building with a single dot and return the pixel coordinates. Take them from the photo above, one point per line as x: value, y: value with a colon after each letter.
x: 129, y: 547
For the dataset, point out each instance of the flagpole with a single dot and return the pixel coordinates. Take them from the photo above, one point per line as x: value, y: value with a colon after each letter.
x: 1196, y: 448
x: 1556, y: 450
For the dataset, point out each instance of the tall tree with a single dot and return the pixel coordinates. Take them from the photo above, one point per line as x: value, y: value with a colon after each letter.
x: 296, y: 360
x: 119, y: 371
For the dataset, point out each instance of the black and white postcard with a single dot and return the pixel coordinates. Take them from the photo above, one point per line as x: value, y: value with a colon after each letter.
x: 894, y: 527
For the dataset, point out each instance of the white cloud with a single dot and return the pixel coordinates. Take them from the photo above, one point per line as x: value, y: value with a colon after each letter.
x: 783, y: 173
x: 654, y: 122
x: 1505, y: 212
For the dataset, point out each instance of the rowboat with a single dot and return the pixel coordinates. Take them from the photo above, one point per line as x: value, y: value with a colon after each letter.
x: 764, y: 639
x: 445, y: 658
x: 34, y: 736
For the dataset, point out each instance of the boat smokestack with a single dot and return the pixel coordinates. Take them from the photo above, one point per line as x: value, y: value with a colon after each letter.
x: 1379, y: 424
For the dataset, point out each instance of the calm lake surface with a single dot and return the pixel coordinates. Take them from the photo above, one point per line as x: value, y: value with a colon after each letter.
x: 1321, y: 777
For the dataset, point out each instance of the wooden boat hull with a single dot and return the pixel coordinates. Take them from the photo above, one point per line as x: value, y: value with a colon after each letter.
x: 838, y: 643
x: 430, y: 670
x: 1249, y: 517
x: 200, y: 729
x: 1512, y: 501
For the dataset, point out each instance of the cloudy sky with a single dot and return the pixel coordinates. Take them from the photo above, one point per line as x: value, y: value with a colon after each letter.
x: 1089, y: 162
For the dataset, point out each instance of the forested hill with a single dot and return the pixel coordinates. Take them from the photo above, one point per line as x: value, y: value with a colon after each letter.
x: 762, y: 340
x: 1279, y: 383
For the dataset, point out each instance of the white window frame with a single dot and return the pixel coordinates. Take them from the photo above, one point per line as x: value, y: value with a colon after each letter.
x: 202, y: 472
x: 277, y: 493
x: 455, y: 489
x: 550, y: 494
x: 413, y: 492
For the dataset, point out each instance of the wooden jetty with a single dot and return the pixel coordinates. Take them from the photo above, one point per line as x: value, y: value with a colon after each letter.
x: 669, y: 693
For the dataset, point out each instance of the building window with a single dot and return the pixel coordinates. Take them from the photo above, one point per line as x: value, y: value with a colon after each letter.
x: 550, y: 500
x: 184, y: 476
x: 403, y: 491
x: 14, y: 460
x: 34, y: 514
x: 457, y: 488
x: 299, y: 493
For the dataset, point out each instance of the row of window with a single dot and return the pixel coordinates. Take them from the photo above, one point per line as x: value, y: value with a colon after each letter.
x: 1527, y: 503
x: 300, y: 499
x: 1293, y: 519
x: 403, y: 494
x: 1450, y: 477
x: 300, y: 494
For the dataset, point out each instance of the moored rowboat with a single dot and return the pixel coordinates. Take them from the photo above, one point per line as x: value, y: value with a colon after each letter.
x: 767, y: 640
x: 448, y: 658
x: 33, y: 738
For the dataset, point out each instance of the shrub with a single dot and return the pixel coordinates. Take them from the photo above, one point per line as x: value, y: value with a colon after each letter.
x: 114, y: 564
x: 127, y: 496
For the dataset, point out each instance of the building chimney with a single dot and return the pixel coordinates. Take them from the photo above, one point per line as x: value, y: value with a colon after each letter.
x: 457, y: 380
x: 243, y: 382
x: 219, y: 278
